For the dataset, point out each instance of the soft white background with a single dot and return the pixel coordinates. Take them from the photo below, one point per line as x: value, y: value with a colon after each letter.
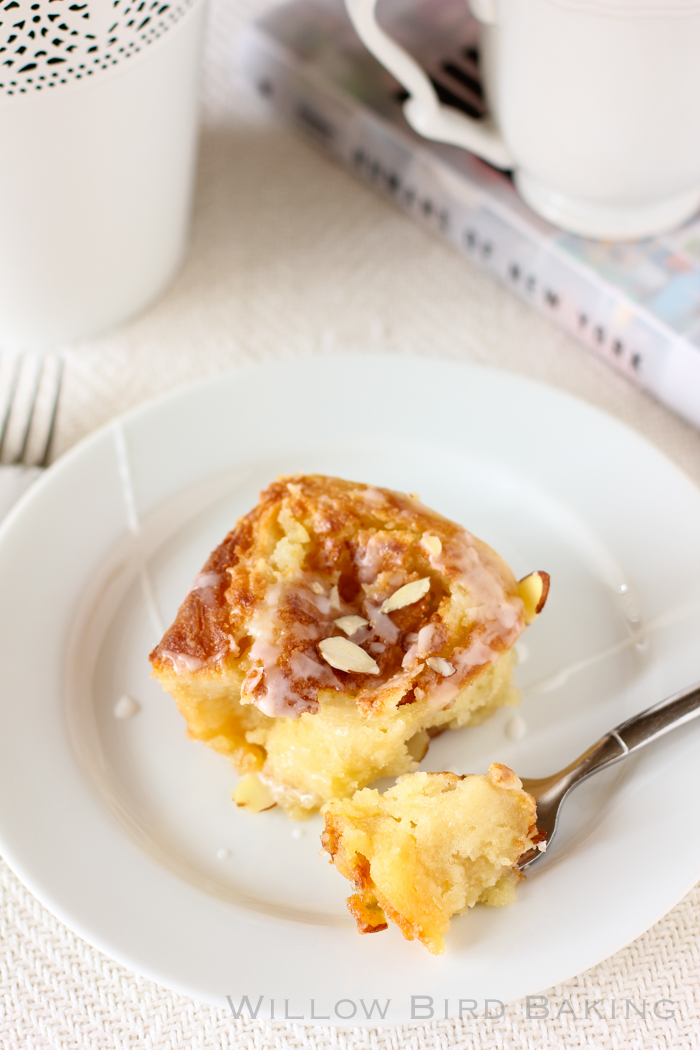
x: 291, y: 256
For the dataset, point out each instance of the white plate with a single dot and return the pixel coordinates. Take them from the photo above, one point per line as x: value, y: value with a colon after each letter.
x: 117, y: 824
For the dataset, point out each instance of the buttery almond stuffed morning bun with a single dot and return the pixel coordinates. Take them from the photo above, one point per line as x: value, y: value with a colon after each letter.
x: 335, y: 630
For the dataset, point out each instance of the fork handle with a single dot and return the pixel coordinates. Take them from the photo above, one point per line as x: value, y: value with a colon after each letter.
x: 628, y: 737
x: 634, y: 734
x: 658, y: 720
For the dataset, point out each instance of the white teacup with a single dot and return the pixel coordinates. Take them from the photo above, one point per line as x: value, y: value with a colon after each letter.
x: 595, y: 105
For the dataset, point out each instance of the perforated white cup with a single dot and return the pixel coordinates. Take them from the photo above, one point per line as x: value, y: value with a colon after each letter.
x: 98, y: 124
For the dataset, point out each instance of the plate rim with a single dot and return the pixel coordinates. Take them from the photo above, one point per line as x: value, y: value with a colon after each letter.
x: 185, y: 392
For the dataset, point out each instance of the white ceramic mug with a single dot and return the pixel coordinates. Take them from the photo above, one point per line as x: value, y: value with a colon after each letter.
x: 595, y: 106
x: 98, y: 134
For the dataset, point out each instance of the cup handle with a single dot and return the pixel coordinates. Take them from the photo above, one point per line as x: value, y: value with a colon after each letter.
x: 423, y: 110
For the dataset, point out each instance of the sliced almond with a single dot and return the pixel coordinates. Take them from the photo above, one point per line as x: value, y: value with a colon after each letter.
x: 418, y: 745
x: 440, y: 665
x: 251, y: 794
x: 334, y: 597
x: 294, y: 489
x: 533, y: 590
x: 251, y: 680
x: 504, y: 776
x: 344, y: 655
x: 350, y: 624
x: 433, y: 544
x: 407, y: 595
x: 318, y: 588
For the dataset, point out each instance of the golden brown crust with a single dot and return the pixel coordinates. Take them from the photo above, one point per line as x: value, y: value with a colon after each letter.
x: 202, y: 627
x: 330, y: 836
x: 424, y: 612
x: 367, y: 914
x: 366, y: 542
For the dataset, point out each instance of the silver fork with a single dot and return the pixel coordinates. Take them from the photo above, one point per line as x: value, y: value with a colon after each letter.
x: 626, y: 739
x: 29, y: 389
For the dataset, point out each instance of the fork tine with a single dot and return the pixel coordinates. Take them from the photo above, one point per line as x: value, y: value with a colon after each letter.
x: 4, y: 422
x: 29, y: 407
x: 30, y: 414
x: 46, y: 452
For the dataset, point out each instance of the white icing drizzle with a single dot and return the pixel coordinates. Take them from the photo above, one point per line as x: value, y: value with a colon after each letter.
x: 428, y: 640
x: 370, y: 558
x: 382, y: 624
x: 478, y: 654
x: 182, y: 663
x: 498, y: 618
x: 285, y: 673
x: 286, y: 668
x: 205, y: 586
x: 126, y: 707
x: 205, y: 580
x: 373, y: 496
x: 323, y: 604
x: 303, y: 666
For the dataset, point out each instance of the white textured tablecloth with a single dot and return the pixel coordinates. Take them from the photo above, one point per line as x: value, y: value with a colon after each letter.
x: 291, y: 256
